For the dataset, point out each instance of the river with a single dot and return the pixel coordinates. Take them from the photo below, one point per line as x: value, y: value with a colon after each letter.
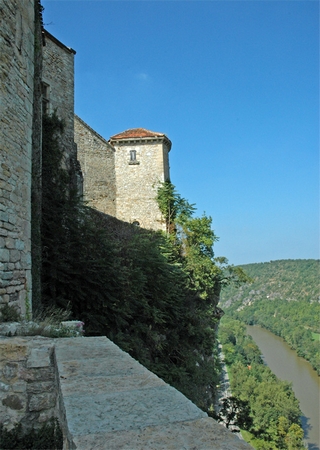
x: 287, y: 365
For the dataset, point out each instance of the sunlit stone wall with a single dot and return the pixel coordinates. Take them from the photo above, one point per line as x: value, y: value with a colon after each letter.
x: 137, y: 181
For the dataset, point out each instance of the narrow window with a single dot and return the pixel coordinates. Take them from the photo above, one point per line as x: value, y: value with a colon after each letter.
x: 133, y: 158
x: 45, y: 98
x: 133, y: 155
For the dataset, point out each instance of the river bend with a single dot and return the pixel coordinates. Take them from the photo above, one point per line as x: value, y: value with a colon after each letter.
x: 287, y: 365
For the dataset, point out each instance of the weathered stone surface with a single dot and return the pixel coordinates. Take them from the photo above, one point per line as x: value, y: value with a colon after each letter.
x: 40, y: 357
x: 10, y: 370
x: 40, y: 386
x: 10, y: 350
x: 4, y: 387
x: 13, y: 402
x: 104, y: 399
x: 202, y: 434
x: 21, y: 76
x: 131, y: 409
x: 36, y: 374
x: 111, y: 402
x: 26, y: 393
x: 97, y: 159
x: 38, y: 402
x: 118, y: 186
x: 17, y: 21
x: 20, y: 387
x: 58, y: 76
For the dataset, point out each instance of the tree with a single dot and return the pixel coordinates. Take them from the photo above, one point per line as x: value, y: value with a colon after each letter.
x: 172, y: 205
x: 294, y: 437
x: 132, y: 285
x: 235, y: 412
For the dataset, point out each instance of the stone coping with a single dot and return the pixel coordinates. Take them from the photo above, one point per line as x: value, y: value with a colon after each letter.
x: 106, y: 399
x: 113, y: 402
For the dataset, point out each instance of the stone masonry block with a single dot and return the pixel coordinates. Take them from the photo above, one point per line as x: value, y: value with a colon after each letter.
x: 10, y: 370
x: 38, y: 402
x: 20, y: 387
x: 37, y: 374
x: 14, y: 402
x: 4, y: 387
x: 4, y: 254
x: 40, y: 357
x: 19, y: 244
x: 13, y: 351
x: 39, y: 387
x: 10, y: 242
x: 6, y: 275
x: 15, y: 256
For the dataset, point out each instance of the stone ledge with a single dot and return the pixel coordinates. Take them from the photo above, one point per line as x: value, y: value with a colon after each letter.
x: 113, y: 402
x: 201, y: 434
x: 103, y: 398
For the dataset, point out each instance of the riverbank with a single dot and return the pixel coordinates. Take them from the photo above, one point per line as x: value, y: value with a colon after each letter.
x: 261, y: 403
x: 287, y: 365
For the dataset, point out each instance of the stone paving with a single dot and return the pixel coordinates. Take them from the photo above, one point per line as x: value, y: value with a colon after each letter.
x: 113, y: 402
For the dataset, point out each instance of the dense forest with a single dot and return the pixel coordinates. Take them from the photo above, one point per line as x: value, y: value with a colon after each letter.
x: 284, y: 297
x: 154, y: 294
x: 261, y: 404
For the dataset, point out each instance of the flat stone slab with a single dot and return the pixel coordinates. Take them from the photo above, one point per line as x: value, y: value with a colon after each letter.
x: 202, y: 434
x: 113, y: 402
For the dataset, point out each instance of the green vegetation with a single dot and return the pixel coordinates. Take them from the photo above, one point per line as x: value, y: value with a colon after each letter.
x: 154, y: 294
x: 271, y: 405
x: 9, y: 313
x: 284, y: 298
x: 49, y: 436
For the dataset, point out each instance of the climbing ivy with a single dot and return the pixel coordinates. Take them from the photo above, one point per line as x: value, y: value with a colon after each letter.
x: 154, y: 294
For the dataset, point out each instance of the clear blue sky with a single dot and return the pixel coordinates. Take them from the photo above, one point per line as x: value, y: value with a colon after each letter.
x: 234, y: 85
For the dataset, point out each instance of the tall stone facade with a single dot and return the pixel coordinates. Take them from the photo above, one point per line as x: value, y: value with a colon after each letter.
x: 17, y: 71
x: 141, y: 164
x: 97, y: 159
x: 58, y: 97
x: 121, y: 176
x: 36, y: 77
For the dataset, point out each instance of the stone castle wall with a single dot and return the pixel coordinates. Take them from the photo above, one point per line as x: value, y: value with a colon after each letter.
x: 17, y: 47
x: 35, y: 79
x: 116, y: 184
x: 137, y: 182
x: 101, y: 396
x: 97, y: 159
x: 58, y: 83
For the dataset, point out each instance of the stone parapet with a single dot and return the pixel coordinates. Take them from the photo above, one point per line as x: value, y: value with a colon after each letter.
x: 111, y: 402
x: 28, y: 382
x: 103, y: 398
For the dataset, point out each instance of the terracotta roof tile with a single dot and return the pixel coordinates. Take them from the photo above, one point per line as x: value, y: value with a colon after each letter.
x: 136, y: 133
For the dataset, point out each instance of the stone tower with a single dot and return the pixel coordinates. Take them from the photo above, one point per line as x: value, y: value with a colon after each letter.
x: 141, y: 164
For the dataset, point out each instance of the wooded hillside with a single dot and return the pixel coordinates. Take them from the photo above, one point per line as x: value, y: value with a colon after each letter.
x: 284, y: 297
